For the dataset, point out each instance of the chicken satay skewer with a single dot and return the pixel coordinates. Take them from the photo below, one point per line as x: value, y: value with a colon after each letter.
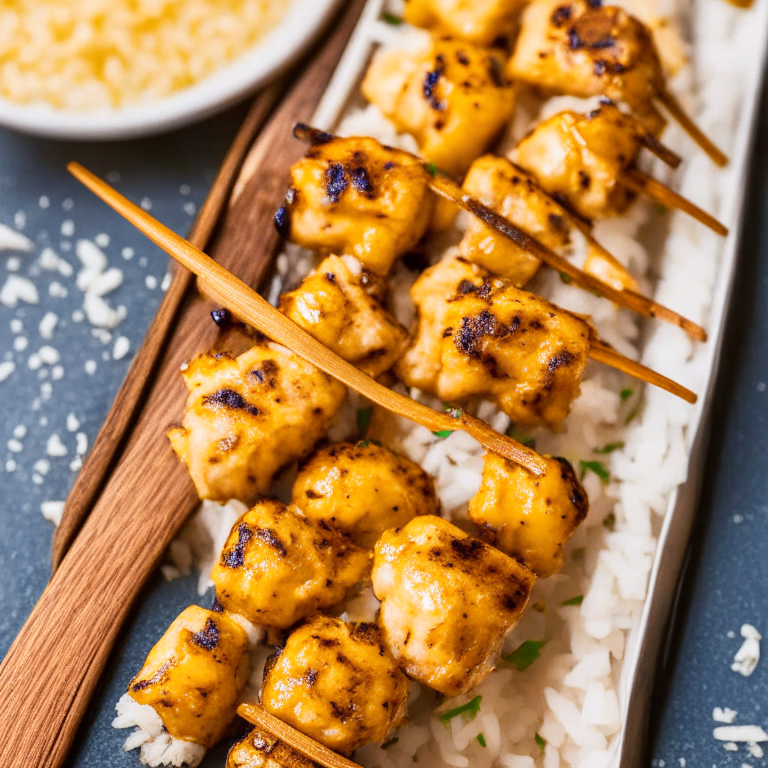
x: 449, y: 190
x: 224, y: 288
x: 445, y: 187
x: 256, y: 715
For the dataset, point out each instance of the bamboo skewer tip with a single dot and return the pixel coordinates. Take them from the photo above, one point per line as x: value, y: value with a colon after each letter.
x: 256, y: 715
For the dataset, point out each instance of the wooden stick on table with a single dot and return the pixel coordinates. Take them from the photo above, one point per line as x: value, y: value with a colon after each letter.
x: 92, y: 476
x: 50, y: 672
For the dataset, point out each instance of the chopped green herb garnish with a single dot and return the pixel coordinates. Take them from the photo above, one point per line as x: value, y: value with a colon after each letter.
x: 609, y: 448
x: 578, y: 600
x: 597, y: 467
x: 541, y: 742
x: 390, y: 18
x: 524, y: 655
x: 363, y: 443
x: 388, y: 744
x: 610, y: 521
x: 661, y: 209
x: 540, y: 607
x: 566, y: 278
x: 481, y: 740
x: 431, y: 169
x: 364, y: 418
x: 632, y: 415
x: 468, y: 711
x: 443, y: 433
x: 528, y: 442
x: 625, y: 394
x: 377, y: 443
x: 578, y: 553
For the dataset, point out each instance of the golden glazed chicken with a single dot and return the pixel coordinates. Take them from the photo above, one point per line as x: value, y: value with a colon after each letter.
x: 363, y: 489
x: 278, y: 567
x: 479, y: 21
x: 195, y: 675
x: 579, y: 159
x: 336, y: 682
x: 447, y: 602
x: 479, y: 336
x: 580, y: 48
x: 530, y: 518
x: 249, y: 416
x: 452, y: 97
x: 507, y: 190
x: 338, y: 304
x: 358, y: 197
x: 259, y: 749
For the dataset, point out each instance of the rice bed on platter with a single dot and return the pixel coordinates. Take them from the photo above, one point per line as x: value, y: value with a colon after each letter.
x: 563, y: 704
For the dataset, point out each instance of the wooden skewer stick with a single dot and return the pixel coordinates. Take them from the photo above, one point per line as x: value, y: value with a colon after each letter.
x: 664, y: 153
x: 314, y: 750
x: 450, y: 190
x: 639, y: 182
x: 600, y: 351
x: 686, y: 123
x: 224, y: 288
x: 100, y: 459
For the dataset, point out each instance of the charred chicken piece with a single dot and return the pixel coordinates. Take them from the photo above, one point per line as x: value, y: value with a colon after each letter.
x: 336, y: 682
x: 362, y: 489
x: 479, y: 336
x: 581, y: 48
x: 338, y: 305
x: 195, y: 675
x: 277, y: 567
x: 259, y: 749
x: 447, y: 601
x: 579, y: 159
x: 452, y: 97
x: 358, y: 197
x: 510, y: 192
x: 530, y: 518
x: 482, y: 22
x: 249, y: 416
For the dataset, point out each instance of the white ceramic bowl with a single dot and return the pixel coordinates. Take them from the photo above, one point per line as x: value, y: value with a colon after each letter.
x: 273, y: 53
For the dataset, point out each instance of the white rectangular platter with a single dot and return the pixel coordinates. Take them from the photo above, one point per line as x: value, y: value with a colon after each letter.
x: 655, y: 479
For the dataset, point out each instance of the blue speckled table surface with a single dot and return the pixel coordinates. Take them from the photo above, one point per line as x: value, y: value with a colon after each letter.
x: 727, y: 580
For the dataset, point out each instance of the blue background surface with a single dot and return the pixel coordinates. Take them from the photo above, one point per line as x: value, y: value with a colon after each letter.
x: 727, y: 580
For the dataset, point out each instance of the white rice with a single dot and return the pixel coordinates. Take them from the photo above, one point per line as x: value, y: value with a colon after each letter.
x: 158, y: 747
x: 566, y: 708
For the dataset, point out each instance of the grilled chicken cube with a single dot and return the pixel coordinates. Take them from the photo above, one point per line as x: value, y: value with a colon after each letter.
x: 195, y: 675
x: 479, y: 336
x: 358, y: 197
x: 249, y: 416
x: 259, y: 749
x: 528, y: 517
x: 278, y: 567
x: 447, y: 602
x: 452, y: 98
x: 580, y: 158
x: 580, y: 48
x: 337, y: 304
x: 363, y: 489
x: 336, y: 682
x: 478, y: 21
x: 510, y: 192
